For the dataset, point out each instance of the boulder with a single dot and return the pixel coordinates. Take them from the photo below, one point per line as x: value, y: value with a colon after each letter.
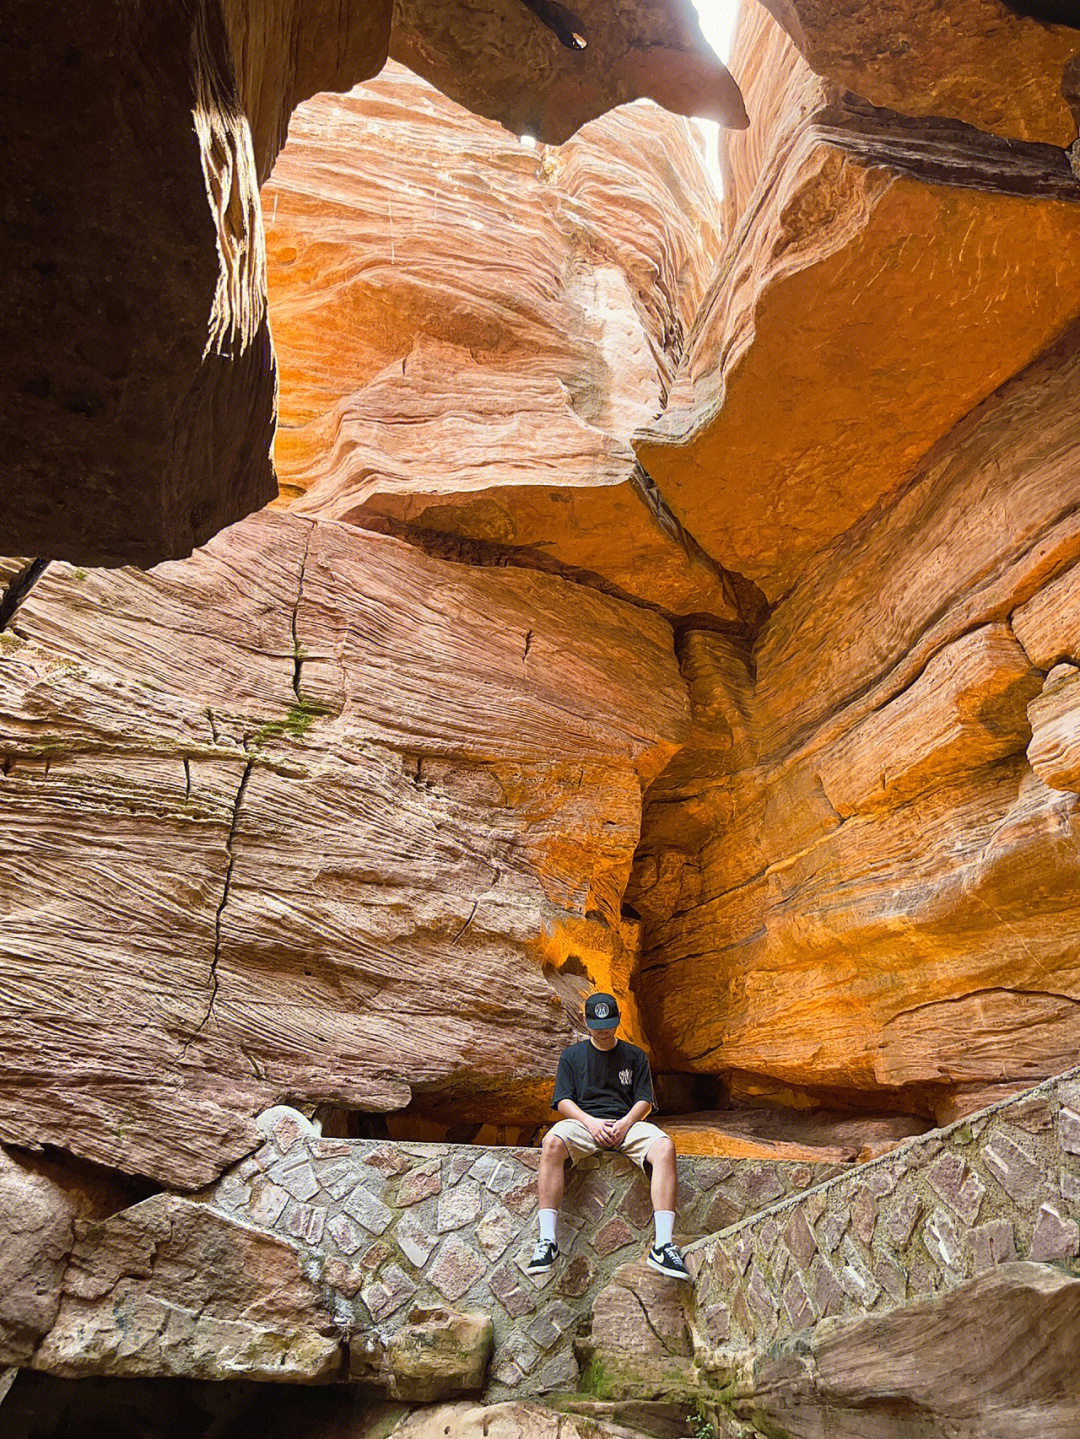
x: 639, y: 1344
x: 169, y: 1288
x: 438, y: 1354
x: 883, y: 275
x: 311, y: 815
x: 992, y: 1359
x: 39, y: 1205
x: 494, y: 1421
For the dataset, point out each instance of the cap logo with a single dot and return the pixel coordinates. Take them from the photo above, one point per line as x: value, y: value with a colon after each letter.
x: 601, y: 1011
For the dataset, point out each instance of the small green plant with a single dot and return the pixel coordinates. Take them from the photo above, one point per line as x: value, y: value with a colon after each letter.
x: 295, y: 724
x: 700, y: 1427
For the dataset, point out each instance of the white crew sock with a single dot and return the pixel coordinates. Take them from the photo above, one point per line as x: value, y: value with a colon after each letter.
x: 665, y: 1225
x: 547, y: 1223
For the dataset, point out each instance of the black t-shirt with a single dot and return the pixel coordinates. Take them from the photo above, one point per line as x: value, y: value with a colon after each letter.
x: 605, y: 1083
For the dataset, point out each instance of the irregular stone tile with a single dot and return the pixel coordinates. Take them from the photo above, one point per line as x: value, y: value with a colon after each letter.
x: 419, y: 1184
x: 1067, y: 1127
x: 304, y: 1222
x: 797, y: 1306
x: 832, y: 1228
x: 864, y: 1215
x: 372, y: 1213
x: 960, y: 1188
x: 576, y: 1277
x: 388, y: 1293
x: 614, y: 1235
x: 550, y: 1324
x: 854, y: 1275
x: 902, y: 1217
x: 993, y: 1243
x: 268, y: 1202
x: 344, y: 1233
x: 415, y: 1239
x: 717, y: 1322
x: 337, y: 1179
x: 297, y: 1179
x: 455, y: 1268
x: 828, y: 1296
x: 560, y: 1372
x: 890, y: 1276
x: 507, y: 1289
x: 387, y: 1159
x: 458, y: 1206
x: 1017, y: 1173
x: 494, y: 1232
x: 346, y: 1278
x: 760, y: 1298
x: 942, y: 1240
x: 374, y: 1255
x: 1054, y: 1237
x: 800, y: 1237
x: 743, y: 1249
x: 763, y: 1186
x: 636, y: 1208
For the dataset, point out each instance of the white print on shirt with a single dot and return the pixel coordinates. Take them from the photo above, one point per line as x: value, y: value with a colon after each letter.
x: 625, y: 1076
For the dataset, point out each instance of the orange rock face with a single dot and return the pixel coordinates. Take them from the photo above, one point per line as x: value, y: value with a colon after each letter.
x: 491, y: 400
x: 309, y: 815
x: 883, y: 275
x: 861, y: 874
x: 1000, y: 67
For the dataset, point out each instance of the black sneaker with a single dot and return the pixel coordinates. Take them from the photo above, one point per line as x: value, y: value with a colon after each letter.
x: 666, y: 1259
x: 543, y: 1257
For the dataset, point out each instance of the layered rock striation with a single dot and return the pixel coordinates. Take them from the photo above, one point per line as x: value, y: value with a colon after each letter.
x: 138, y: 374
x: 853, y: 876
x: 883, y: 275
x: 360, y: 836
x: 485, y: 408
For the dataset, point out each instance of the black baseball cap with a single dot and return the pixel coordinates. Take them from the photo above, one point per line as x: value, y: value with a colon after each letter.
x: 601, y: 1012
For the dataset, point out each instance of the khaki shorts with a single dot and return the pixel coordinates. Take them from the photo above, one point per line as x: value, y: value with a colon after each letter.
x: 640, y: 1138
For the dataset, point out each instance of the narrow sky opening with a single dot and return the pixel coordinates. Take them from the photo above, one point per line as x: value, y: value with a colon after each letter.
x: 717, y: 19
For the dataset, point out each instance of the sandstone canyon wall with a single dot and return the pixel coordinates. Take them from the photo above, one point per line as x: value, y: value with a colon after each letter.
x: 860, y: 875
x: 138, y: 376
x: 668, y: 595
x: 485, y: 408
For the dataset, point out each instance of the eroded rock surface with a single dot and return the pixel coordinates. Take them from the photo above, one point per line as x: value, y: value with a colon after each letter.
x: 851, y: 877
x: 138, y: 374
x: 1006, y: 68
x: 492, y: 400
x: 990, y: 1360
x: 883, y: 275
x: 314, y: 815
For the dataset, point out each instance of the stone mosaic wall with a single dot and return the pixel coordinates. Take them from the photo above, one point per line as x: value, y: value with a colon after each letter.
x: 998, y: 1186
x: 385, y: 1227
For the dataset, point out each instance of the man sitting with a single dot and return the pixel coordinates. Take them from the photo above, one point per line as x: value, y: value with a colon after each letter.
x: 603, y: 1090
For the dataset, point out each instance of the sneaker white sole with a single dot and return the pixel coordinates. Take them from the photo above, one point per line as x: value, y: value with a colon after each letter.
x: 663, y: 1269
x: 541, y: 1268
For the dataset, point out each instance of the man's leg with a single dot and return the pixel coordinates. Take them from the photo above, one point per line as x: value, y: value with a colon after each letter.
x: 665, y: 1176
x: 550, y: 1179
x: 664, y: 1256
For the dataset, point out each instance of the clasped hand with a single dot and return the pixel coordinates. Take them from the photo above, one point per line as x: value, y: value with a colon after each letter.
x: 609, y: 1133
